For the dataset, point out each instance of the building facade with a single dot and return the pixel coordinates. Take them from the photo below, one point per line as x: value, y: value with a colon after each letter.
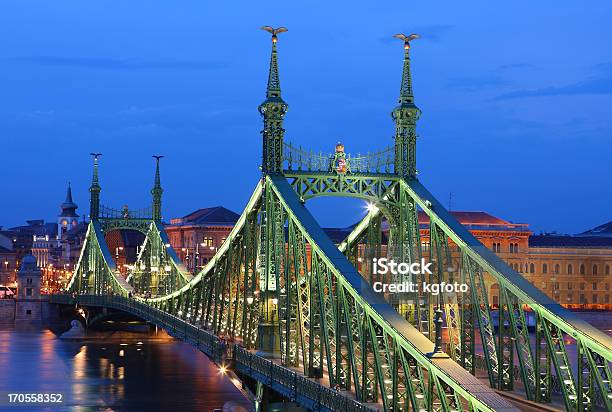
x: 575, y: 271
x: 8, y: 262
x: 197, y: 236
x: 55, y: 245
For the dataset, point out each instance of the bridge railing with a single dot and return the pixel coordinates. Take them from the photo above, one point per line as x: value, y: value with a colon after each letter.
x: 286, y: 381
x: 296, y: 158
x: 295, y: 385
x: 125, y: 213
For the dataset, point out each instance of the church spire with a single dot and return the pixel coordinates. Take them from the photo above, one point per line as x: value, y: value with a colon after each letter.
x: 69, y: 195
x: 273, y: 110
x: 157, y: 192
x: 69, y: 207
x: 94, y: 189
x: 405, y: 116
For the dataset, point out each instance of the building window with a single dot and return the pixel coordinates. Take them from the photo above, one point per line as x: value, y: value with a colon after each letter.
x: 594, y: 269
x: 28, y: 291
x: 208, y: 241
x: 531, y: 268
x: 570, y: 297
x: 594, y: 285
x: 569, y: 285
x: 607, y: 269
x: 607, y: 286
x: 582, y: 298
x: 594, y: 298
x: 581, y: 285
x: 28, y: 311
x: 557, y: 269
x: 544, y: 268
x: 556, y: 286
x: 29, y: 281
x: 582, y: 269
x: 607, y: 299
x: 570, y: 269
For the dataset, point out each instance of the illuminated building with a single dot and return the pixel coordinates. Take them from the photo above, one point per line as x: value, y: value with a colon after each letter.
x: 197, y: 236
x: 8, y: 262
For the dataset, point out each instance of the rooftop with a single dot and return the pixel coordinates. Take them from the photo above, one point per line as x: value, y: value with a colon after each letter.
x: 211, y: 216
x: 604, y: 230
x: 479, y: 220
x: 581, y: 241
x: 34, y: 227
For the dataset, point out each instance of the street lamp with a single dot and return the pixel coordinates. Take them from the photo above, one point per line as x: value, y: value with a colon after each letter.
x: 197, y: 255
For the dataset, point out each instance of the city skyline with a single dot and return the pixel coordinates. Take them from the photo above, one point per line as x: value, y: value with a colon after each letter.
x: 129, y: 90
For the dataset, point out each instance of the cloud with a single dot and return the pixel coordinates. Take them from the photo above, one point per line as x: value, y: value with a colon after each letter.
x: 472, y: 84
x: 515, y: 66
x: 119, y: 64
x: 594, y: 85
x: 433, y: 33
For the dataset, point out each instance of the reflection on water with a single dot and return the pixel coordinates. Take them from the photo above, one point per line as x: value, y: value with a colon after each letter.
x: 130, y: 376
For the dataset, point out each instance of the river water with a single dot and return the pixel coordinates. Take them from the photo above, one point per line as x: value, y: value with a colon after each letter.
x: 131, y: 373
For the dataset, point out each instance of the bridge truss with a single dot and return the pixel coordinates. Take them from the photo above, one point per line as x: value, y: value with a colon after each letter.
x: 280, y: 286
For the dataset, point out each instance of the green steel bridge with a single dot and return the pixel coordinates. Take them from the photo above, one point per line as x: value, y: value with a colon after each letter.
x: 297, y: 313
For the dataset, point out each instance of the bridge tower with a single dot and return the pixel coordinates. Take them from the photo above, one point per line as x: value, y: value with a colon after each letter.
x: 156, y: 192
x: 94, y: 190
x: 273, y: 111
x: 405, y: 116
x: 404, y: 243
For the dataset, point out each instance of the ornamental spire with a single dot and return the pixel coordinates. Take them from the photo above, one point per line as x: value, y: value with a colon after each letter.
x: 405, y: 116
x: 273, y: 110
x: 273, y: 90
x: 94, y: 189
x: 157, y: 191
x: 406, y: 95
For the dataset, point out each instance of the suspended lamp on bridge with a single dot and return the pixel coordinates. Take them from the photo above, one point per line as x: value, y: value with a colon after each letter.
x: 249, y: 300
x: 167, y: 268
x: 371, y: 207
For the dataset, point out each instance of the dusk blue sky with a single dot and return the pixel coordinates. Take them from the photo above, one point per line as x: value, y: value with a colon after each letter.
x: 516, y: 100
